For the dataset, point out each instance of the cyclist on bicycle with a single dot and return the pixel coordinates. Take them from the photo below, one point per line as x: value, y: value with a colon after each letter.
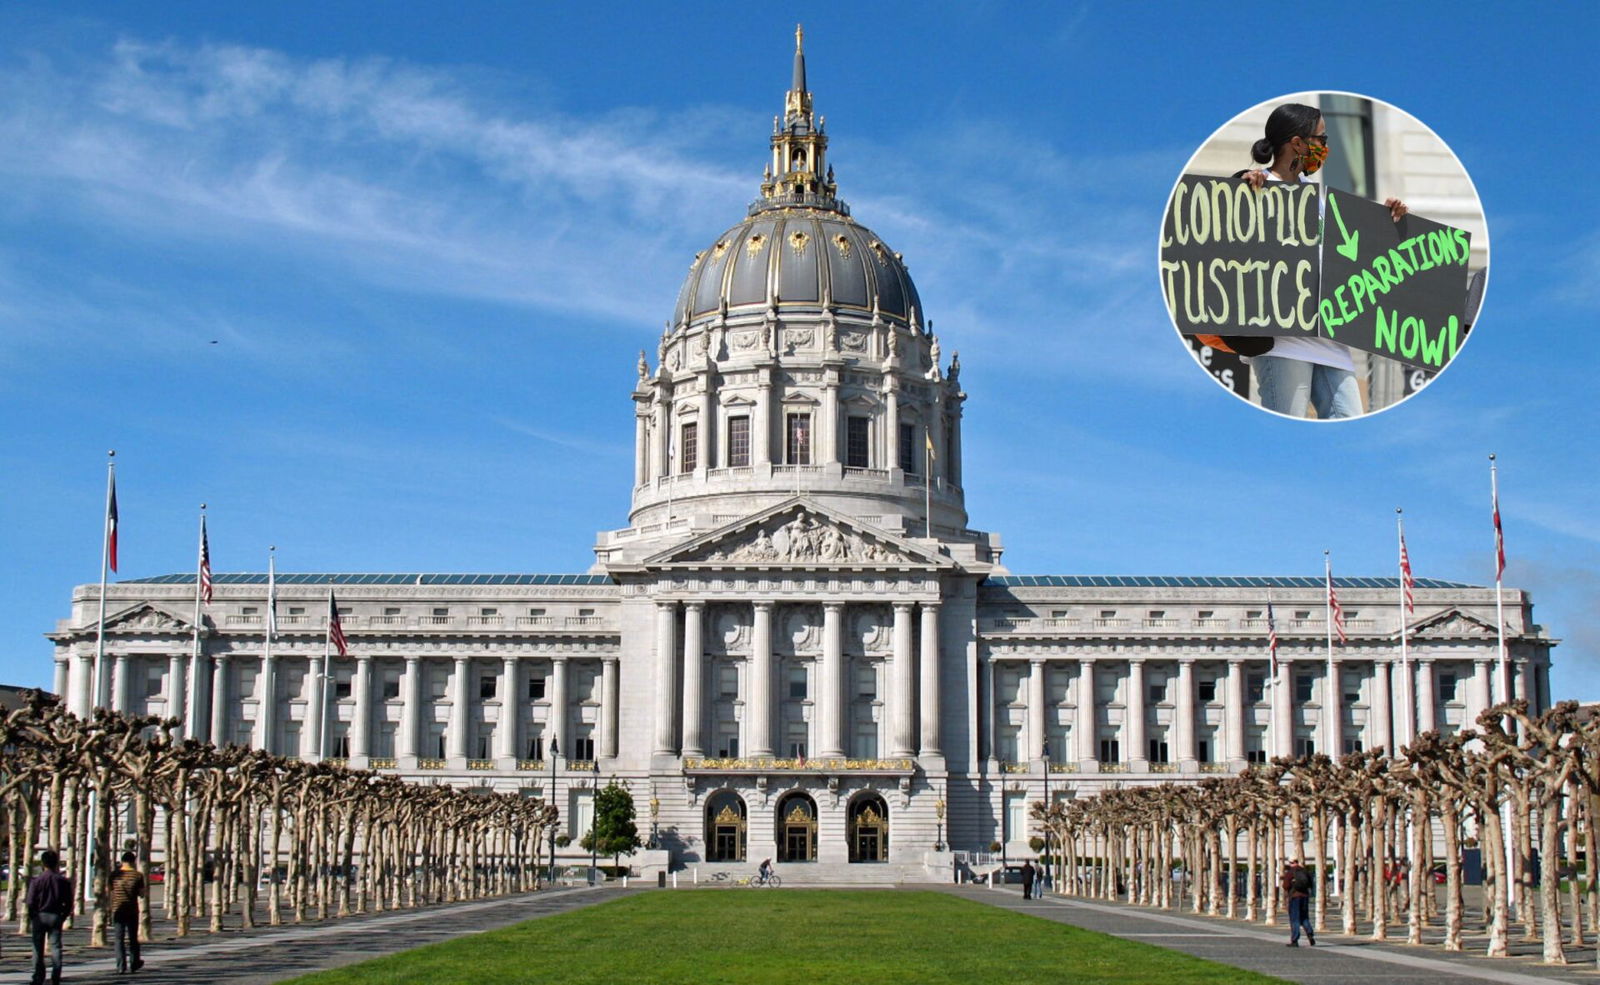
x: 764, y: 873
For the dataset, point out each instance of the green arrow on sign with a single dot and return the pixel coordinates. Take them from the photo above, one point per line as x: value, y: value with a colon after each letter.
x: 1347, y: 249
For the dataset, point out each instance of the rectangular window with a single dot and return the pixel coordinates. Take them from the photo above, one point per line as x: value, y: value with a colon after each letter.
x: 1304, y: 686
x: 486, y: 686
x: 797, y: 746
x: 797, y: 449
x: 583, y: 747
x: 1205, y: 613
x: 391, y: 610
x: 1207, y: 689
x: 297, y: 610
x: 797, y: 683
x: 1447, y: 687
x: 728, y: 681
x: 1252, y: 614
x: 485, y: 745
x: 1158, y: 750
x: 1304, y: 746
x: 738, y: 441
x: 536, y: 746
x: 858, y: 442
x: 1255, y: 756
x: 866, y: 740
x: 1158, y: 692
x: 1352, y: 744
x: 383, y: 742
x: 341, y: 688
x: 536, y: 689
x: 1302, y: 614
x: 689, y: 447
x: 866, y: 683
x: 910, y: 450
x: 728, y: 743
x: 391, y: 686
x: 249, y: 610
x: 341, y: 747
x: 1110, y: 751
x: 486, y: 611
x: 1255, y: 688
x: 535, y: 612
x: 441, y: 612
x: 152, y: 685
x: 1204, y: 749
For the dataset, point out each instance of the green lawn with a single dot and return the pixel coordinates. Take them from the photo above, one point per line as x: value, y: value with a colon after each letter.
x: 810, y: 936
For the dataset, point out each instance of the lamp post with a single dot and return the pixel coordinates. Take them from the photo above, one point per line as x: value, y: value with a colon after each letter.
x: 938, y: 812
x: 555, y: 750
x: 594, y: 824
x: 1046, y: 757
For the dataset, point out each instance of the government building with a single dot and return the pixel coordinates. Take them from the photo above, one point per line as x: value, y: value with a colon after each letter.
x: 799, y: 647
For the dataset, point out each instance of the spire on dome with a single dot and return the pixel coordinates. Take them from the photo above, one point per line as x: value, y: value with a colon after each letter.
x: 799, y: 174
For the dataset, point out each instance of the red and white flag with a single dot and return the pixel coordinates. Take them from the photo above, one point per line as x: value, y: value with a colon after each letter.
x: 1407, y: 582
x: 336, y: 638
x: 1336, y: 610
x: 111, y: 523
x: 1272, y: 638
x: 1499, y: 542
x: 205, y: 565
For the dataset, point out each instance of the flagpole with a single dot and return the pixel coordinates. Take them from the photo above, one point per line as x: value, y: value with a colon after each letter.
x: 191, y: 723
x: 268, y: 688
x: 105, y: 561
x: 1272, y: 682
x: 1502, y: 669
x: 1409, y: 719
x: 327, y: 675
x: 1332, y: 674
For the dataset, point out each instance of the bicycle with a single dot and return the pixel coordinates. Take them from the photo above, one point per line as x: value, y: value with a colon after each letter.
x: 772, y: 881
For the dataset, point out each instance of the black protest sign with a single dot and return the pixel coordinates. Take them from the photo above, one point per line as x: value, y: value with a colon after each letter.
x: 1397, y: 289
x: 1226, y: 368
x: 1237, y: 260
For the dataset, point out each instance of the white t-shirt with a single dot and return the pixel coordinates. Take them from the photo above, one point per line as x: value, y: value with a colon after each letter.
x: 1310, y: 349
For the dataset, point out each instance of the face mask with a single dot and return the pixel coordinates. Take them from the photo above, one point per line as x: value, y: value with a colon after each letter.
x: 1311, y: 160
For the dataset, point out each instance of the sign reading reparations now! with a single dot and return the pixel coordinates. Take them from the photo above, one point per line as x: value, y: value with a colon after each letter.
x: 1398, y: 289
x: 1237, y: 260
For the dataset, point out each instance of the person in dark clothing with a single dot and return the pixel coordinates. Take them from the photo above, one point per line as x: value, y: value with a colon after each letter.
x: 1027, y: 880
x: 1297, y: 886
x: 49, y: 903
x: 127, y: 889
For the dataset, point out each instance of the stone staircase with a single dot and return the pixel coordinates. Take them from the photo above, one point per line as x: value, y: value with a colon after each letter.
x: 796, y: 874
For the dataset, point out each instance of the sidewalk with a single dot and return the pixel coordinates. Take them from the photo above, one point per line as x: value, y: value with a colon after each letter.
x: 271, y: 954
x: 1335, y: 960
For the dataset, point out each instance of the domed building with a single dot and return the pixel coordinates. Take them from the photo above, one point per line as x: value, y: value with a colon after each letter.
x: 798, y: 649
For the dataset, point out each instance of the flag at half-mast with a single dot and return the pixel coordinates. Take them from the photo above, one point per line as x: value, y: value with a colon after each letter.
x: 205, y: 565
x: 336, y: 638
x: 1407, y: 583
x: 1337, y: 610
x: 111, y: 524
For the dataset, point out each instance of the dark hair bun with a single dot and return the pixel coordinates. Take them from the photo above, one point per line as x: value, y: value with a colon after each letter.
x: 1261, y: 151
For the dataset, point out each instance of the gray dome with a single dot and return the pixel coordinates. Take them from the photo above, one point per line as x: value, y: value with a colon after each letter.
x: 800, y: 257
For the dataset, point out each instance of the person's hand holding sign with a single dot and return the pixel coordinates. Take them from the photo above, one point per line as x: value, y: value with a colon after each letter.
x: 1397, y: 208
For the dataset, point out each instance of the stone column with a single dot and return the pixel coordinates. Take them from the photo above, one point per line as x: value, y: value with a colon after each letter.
x: 830, y: 732
x: 608, y: 708
x: 661, y: 462
x: 827, y: 428
x: 1083, y: 722
x: 694, y: 679
x: 989, y: 712
x: 1542, y: 674
x: 932, y: 744
x: 1481, y: 696
x: 1233, y: 725
x: 1382, y: 712
x: 761, y: 421
x: 411, y: 733
x: 1519, y: 679
x: 758, y: 706
x: 1427, y: 697
x: 1333, y: 711
x: 891, y: 415
x: 1183, y: 717
x: 121, y: 692
x: 361, y: 714
x: 505, y: 730
x: 1283, y: 709
x: 1036, y: 730
x: 557, y: 730
x: 175, y: 689
x: 666, y: 682
x: 316, y: 712
x: 705, y: 455
x: 63, y: 679
x: 219, y: 701
x: 1135, y: 749
x: 902, y: 740
x: 456, y: 747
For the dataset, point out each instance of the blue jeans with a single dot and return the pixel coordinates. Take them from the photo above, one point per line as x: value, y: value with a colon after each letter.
x: 47, y: 932
x: 1299, y: 916
x: 1288, y: 385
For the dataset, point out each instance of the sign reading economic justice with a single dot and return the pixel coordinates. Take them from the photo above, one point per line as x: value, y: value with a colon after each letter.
x: 1237, y: 260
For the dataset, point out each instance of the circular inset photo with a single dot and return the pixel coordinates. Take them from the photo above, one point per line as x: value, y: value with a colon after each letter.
x: 1324, y: 255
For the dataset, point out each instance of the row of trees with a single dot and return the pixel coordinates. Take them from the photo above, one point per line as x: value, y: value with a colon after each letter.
x: 315, y: 837
x: 1387, y: 823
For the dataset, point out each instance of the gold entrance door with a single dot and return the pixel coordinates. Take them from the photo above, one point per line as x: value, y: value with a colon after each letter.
x: 869, y: 836
x: 799, y: 835
x: 727, y: 836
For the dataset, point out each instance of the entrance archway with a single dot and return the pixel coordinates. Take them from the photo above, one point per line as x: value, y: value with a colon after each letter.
x: 725, y: 827
x: 797, y: 828
x: 868, y: 829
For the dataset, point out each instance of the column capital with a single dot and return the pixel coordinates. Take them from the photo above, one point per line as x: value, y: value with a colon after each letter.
x: 694, y: 605
x: 664, y: 605
x: 559, y: 658
x: 933, y: 605
x: 1187, y: 661
x: 613, y: 661
x: 1036, y: 661
x: 1137, y: 661
x: 833, y: 607
x: 904, y: 606
x: 763, y: 605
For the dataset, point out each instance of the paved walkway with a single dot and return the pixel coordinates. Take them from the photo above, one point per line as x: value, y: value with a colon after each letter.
x: 1335, y: 960
x: 271, y: 954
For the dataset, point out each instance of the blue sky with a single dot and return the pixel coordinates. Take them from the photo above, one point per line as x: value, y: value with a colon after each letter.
x: 429, y: 241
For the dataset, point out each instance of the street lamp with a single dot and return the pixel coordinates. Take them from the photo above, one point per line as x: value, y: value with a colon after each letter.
x: 1046, y: 757
x: 555, y: 750
x: 938, y: 811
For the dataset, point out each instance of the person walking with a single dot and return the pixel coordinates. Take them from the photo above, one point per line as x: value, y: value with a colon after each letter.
x: 1297, y: 885
x: 127, y: 889
x: 49, y: 903
x: 1027, y: 880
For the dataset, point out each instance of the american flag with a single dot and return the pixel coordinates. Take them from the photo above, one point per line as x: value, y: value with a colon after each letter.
x: 205, y: 565
x: 111, y: 524
x: 336, y: 628
x: 1336, y: 609
x: 1407, y: 582
x: 1500, y: 544
x: 1272, y: 637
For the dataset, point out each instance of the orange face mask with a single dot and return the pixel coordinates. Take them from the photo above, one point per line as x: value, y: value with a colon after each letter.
x: 1311, y: 160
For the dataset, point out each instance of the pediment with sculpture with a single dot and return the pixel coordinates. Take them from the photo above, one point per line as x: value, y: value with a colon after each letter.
x: 800, y: 533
